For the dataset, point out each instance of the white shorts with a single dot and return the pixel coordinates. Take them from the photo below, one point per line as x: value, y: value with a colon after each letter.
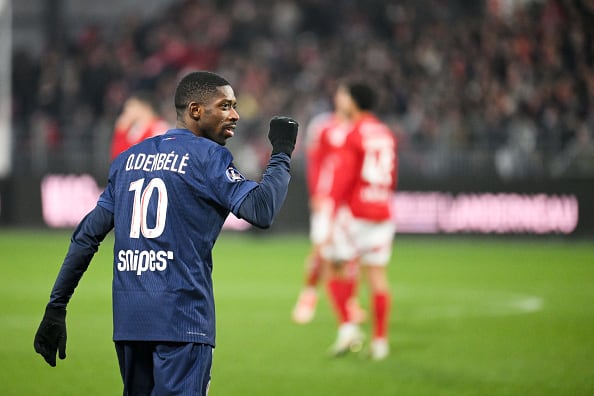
x: 320, y: 221
x: 370, y: 242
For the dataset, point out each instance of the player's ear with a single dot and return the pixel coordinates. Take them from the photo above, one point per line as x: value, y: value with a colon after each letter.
x: 194, y: 110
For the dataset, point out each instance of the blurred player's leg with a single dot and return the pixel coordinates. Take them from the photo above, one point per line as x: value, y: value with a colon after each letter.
x: 340, y: 254
x: 305, y: 308
x: 376, y: 240
x: 380, y: 295
x: 340, y: 290
x: 349, y: 337
x: 356, y: 313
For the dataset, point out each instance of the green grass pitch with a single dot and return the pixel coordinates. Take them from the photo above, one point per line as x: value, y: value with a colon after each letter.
x: 471, y: 316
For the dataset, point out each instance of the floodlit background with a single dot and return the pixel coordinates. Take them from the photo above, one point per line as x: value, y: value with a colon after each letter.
x: 493, y: 105
x: 485, y: 97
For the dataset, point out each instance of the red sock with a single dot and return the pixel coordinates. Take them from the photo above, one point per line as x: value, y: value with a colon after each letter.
x: 313, y: 270
x: 340, y: 291
x: 381, y: 311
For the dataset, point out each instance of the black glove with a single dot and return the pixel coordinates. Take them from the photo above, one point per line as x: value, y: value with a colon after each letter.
x: 51, y: 335
x: 283, y: 134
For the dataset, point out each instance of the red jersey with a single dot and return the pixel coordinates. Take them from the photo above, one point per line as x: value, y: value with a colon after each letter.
x: 325, y: 137
x: 124, y: 138
x: 365, y: 178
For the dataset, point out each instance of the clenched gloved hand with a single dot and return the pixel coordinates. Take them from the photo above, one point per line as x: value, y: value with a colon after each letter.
x: 51, y: 335
x: 283, y: 134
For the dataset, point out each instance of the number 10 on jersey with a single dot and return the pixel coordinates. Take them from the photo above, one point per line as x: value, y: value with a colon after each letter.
x: 140, y: 208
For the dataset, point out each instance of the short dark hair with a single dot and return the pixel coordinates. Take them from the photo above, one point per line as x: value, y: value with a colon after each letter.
x: 197, y: 87
x: 145, y: 97
x: 363, y: 95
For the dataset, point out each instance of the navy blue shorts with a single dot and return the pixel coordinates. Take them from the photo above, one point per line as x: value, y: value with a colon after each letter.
x: 164, y: 368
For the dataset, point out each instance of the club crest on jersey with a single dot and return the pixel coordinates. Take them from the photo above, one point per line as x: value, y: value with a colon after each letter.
x: 234, y: 175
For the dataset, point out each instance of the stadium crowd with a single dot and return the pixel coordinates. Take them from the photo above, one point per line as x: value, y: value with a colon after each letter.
x: 466, y: 85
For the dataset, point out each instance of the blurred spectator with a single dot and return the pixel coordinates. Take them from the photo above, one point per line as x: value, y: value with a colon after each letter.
x: 459, y: 79
x: 577, y: 159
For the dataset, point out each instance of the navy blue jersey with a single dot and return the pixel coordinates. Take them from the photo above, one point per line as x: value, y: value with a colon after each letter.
x: 169, y: 196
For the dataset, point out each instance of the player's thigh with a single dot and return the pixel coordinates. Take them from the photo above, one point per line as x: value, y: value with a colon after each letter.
x: 136, y: 366
x: 373, y: 241
x: 377, y: 277
x: 320, y: 223
x: 182, y: 369
x: 340, y: 247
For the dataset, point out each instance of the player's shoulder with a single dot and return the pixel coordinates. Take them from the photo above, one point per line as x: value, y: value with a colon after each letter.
x: 319, y: 122
x: 371, y: 132
x: 371, y: 124
x: 337, y: 134
x: 316, y: 127
x: 208, y: 152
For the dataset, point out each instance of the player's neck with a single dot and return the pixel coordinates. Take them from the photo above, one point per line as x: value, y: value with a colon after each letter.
x: 358, y: 115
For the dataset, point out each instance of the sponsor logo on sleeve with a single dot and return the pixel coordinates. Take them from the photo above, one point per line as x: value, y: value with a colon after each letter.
x: 234, y: 175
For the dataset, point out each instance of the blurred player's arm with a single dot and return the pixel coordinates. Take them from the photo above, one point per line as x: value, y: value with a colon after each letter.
x: 51, y: 334
x: 344, y: 177
x: 312, y: 169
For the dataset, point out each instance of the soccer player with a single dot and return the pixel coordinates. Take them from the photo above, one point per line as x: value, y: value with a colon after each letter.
x: 325, y: 134
x: 139, y: 120
x: 317, y: 150
x: 363, y: 231
x: 167, y: 198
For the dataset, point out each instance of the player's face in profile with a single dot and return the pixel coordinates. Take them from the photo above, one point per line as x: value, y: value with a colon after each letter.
x: 219, y: 116
x: 342, y: 101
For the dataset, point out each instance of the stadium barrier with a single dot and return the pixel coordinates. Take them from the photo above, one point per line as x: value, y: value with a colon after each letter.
x: 421, y: 206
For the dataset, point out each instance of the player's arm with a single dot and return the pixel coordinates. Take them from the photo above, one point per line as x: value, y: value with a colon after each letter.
x: 262, y: 204
x: 344, y: 176
x: 312, y: 170
x: 83, y: 245
x: 51, y: 335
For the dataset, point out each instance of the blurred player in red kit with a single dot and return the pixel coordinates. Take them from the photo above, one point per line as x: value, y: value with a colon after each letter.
x: 325, y: 134
x: 139, y: 120
x: 364, y: 180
